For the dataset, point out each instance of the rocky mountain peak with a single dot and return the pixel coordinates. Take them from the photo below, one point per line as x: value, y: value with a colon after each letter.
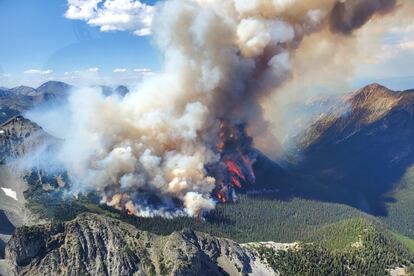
x: 19, y: 135
x: 53, y: 86
x: 97, y: 245
x: 373, y: 102
x: 373, y: 95
x: 24, y: 91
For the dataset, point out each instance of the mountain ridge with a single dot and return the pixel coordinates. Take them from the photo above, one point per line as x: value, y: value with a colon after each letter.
x: 363, y: 151
x: 97, y: 245
x: 17, y: 100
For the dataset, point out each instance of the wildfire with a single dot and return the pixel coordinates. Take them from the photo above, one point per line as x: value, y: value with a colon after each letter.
x: 121, y: 202
x: 221, y: 197
x: 240, y: 171
x: 235, y: 167
x: 234, y: 170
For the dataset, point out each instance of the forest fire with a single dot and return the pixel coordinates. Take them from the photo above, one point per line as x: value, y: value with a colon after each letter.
x: 235, y: 168
x: 223, y: 62
x: 221, y: 197
x: 236, y: 174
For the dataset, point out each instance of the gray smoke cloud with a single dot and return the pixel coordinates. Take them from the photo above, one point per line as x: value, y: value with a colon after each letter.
x: 349, y: 15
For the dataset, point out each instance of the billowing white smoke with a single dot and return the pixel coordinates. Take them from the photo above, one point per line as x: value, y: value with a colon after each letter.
x: 221, y: 59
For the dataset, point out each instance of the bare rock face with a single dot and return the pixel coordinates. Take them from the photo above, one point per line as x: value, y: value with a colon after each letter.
x: 98, y: 245
x: 18, y: 136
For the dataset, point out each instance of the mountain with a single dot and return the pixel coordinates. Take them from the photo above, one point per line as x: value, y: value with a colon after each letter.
x: 3, y: 91
x: 47, y: 90
x: 14, y: 101
x: 93, y: 244
x: 54, y: 87
x: 119, y: 90
x: 359, y: 153
x: 19, y: 136
x: 53, y: 90
x: 24, y: 91
x: 399, y: 211
x: 355, y: 246
x: 19, y: 99
x: 97, y: 245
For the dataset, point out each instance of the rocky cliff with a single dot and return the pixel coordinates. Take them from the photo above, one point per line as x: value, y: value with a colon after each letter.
x: 18, y: 136
x: 98, y: 245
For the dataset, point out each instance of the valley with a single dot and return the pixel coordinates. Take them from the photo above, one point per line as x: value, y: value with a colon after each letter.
x: 340, y: 226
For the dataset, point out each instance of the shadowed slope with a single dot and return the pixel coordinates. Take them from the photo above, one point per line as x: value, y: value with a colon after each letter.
x: 358, y: 155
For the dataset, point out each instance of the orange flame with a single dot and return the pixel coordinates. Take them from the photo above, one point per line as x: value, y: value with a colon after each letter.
x: 221, y: 197
x: 236, y: 173
x: 235, y: 166
x: 234, y: 169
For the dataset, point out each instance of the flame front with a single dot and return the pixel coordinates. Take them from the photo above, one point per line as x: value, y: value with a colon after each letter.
x: 234, y: 171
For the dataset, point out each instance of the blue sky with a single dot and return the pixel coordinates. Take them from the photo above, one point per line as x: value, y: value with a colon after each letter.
x: 39, y: 43
x: 35, y: 35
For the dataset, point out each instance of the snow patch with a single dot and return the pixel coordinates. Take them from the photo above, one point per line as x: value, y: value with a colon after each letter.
x: 10, y: 193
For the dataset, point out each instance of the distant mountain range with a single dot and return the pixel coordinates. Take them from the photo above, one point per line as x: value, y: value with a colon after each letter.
x: 19, y: 99
x: 15, y: 101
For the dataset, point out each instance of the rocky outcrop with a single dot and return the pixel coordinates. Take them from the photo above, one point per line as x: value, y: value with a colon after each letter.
x: 19, y: 136
x: 98, y: 245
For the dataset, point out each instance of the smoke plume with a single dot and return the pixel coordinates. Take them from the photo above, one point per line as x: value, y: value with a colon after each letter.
x: 352, y: 14
x: 184, y: 139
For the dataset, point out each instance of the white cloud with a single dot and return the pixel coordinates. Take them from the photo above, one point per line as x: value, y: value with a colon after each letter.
x: 113, y: 15
x: 81, y: 9
x: 120, y: 70
x: 93, y: 69
x: 144, y: 71
x: 82, y: 71
x: 83, y: 76
x: 38, y: 72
